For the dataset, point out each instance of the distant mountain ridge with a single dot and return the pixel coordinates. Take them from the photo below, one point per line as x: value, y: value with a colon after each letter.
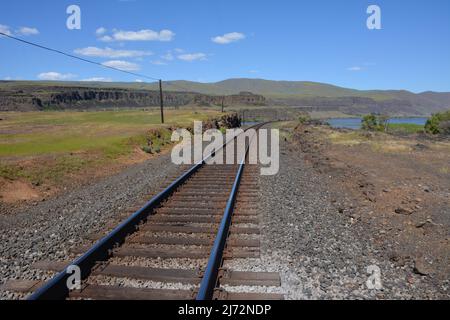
x: 314, y: 94
x: 288, y: 93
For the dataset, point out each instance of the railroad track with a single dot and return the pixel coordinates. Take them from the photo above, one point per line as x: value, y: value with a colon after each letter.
x: 175, y: 246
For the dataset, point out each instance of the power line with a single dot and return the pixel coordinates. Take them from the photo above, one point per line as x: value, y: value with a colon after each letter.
x: 169, y: 83
x: 94, y: 63
x: 77, y: 58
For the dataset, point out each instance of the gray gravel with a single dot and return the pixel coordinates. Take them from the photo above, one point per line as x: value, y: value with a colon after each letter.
x: 48, y: 230
x: 320, y: 253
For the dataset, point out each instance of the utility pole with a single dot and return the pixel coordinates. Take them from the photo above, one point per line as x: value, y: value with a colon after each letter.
x: 223, y: 106
x: 162, y: 101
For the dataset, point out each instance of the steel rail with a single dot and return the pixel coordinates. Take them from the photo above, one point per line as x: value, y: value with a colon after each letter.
x: 57, y: 288
x: 210, y: 277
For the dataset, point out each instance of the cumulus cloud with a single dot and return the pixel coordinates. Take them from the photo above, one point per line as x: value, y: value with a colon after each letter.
x: 22, y: 31
x: 100, y: 31
x: 122, y: 65
x: 55, y: 76
x: 159, y: 63
x: 168, y: 56
x: 141, y: 35
x: 5, y: 29
x: 26, y: 31
x: 192, y: 56
x: 111, y: 53
x: 98, y: 79
x: 228, y: 38
x: 106, y: 39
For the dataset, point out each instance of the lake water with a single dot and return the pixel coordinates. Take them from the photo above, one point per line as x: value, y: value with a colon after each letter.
x: 355, y: 123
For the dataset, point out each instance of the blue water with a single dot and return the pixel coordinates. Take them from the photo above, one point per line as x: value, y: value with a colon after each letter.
x: 355, y: 123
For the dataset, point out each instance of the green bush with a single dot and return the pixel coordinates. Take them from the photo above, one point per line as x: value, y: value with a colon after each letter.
x: 304, y: 119
x: 373, y: 122
x: 147, y: 149
x: 439, y: 123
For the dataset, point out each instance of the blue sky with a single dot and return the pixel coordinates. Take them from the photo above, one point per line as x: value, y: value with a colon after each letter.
x: 211, y: 40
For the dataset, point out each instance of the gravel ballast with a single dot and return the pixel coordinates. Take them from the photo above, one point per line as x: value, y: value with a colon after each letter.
x: 319, y: 252
x: 48, y: 230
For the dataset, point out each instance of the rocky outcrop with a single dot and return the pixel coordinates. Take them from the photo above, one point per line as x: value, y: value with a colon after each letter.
x: 243, y: 98
x: 62, y: 98
x: 31, y: 98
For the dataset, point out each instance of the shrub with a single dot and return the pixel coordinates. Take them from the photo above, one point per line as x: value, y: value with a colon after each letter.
x: 373, y: 122
x: 304, y: 119
x: 444, y: 127
x: 439, y: 123
x: 147, y: 149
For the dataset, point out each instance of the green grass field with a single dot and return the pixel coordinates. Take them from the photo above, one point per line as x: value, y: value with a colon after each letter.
x: 32, y: 134
x: 405, y: 128
x: 46, y: 146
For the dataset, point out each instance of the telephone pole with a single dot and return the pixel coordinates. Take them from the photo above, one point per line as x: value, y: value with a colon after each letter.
x: 162, y: 101
x: 223, y: 104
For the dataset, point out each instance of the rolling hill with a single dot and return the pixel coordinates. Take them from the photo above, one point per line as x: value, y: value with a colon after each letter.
x: 288, y: 93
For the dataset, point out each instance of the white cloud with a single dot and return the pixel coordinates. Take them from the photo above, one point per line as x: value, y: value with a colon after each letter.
x: 141, y: 35
x: 192, y: 56
x: 229, y: 38
x: 355, y: 69
x: 139, y: 81
x: 100, y: 31
x: 111, y: 53
x: 5, y: 29
x: 159, y: 63
x: 97, y: 79
x: 54, y: 76
x: 22, y: 31
x: 122, y: 65
x: 168, y: 56
x: 26, y: 31
x: 106, y: 39
x: 253, y: 71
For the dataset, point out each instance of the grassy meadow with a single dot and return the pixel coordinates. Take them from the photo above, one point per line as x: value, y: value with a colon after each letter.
x: 407, y: 128
x: 46, y: 147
